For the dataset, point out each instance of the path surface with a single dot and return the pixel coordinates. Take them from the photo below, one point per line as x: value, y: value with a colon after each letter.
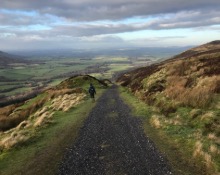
x: 111, y: 142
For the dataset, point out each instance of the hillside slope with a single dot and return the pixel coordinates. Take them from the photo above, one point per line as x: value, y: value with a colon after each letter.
x: 34, y: 135
x: 18, y: 121
x: 6, y: 59
x: 185, y: 91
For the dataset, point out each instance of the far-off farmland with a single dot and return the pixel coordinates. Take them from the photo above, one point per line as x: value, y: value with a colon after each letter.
x: 28, y: 78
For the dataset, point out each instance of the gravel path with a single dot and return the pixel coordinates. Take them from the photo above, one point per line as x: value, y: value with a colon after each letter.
x: 111, y: 142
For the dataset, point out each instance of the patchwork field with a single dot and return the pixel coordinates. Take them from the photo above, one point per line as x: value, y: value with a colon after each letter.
x: 20, y: 78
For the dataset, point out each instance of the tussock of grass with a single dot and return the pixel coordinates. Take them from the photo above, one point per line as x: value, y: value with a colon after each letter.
x: 67, y: 101
x: 15, y: 138
x: 155, y: 121
x: 43, y: 119
x: 207, y: 156
x: 17, y: 115
x: 214, y: 149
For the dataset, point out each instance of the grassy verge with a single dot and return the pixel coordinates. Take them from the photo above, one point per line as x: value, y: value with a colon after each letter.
x: 43, y: 153
x: 178, y: 154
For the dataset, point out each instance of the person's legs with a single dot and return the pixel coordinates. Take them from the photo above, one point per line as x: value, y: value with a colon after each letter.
x: 92, y: 97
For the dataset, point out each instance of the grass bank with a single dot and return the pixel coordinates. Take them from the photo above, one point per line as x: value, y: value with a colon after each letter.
x: 43, y: 153
x: 178, y: 152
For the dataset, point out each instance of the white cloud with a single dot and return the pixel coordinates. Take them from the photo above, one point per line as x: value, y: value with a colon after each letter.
x: 96, y: 22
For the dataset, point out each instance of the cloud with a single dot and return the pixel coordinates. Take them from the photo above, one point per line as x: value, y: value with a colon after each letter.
x: 93, y: 10
x: 96, y: 21
x: 31, y: 42
x: 180, y: 20
x: 19, y: 18
x: 166, y: 14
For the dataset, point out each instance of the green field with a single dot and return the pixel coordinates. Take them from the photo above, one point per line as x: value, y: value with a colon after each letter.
x: 46, y: 72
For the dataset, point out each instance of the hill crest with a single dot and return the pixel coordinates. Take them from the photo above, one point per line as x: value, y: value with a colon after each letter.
x: 6, y: 58
x: 207, y: 48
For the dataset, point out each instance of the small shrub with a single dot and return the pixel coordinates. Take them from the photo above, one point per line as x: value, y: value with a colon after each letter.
x: 155, y: 121
x: 195, y: 113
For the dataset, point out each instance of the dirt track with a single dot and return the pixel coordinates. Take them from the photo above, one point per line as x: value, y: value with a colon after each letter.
x: 112, y: 142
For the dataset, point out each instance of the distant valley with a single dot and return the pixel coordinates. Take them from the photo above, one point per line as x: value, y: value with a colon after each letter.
x: 6, y: 59
x: 33, y: 71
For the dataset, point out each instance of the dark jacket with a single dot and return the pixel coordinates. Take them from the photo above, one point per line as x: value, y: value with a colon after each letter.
x: 92, y: 89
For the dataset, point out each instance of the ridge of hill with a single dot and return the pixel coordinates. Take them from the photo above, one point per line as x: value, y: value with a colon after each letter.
x: 6, y: 59
x: 18, y: 121
x: 185, y: 92
x: 210, y: 47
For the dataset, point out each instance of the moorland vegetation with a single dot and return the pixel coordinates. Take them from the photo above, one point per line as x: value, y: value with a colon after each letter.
x: 183, y: 93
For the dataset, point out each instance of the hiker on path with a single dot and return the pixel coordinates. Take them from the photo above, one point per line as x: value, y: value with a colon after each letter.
x: 92, y: 91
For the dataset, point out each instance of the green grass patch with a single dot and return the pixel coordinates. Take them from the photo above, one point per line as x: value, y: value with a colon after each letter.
x: 33, y: 100
x: 55, y: 82
x: 19, y: 90
x: 7, y: 86
x: 14, y: 75
x: 139, y: 108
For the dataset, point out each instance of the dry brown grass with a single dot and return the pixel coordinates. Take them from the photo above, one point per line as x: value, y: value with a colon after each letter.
x: 35, y: 115
x: 214, y: 149
x: 200, y: 153
x: 155, y: 121
x: 14, y: 117
x: 10, y: 117
x: 65, y: 102
x: 43, y: 119
x: 200, y: 95
x: 213, y: 137
x: 207, y: 116
x: 190, y: 81
x: 41, y: 111
x: 13, y: 139
x: 53, y: 93
x: 10, y: 122
x: 24, y: 124
x: 177, y: 120
x: 6, y: 111
x: 208, y: 160
x: 176, y: 86
x: 179, y: 67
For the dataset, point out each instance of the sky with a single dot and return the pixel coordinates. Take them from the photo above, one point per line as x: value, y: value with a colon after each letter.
x: 100, y: 24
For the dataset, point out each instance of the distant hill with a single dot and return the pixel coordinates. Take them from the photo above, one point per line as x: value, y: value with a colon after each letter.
x: 91, y: 53
x: 6, y: 59
x: 184, y: 94
x: 211, y: 47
